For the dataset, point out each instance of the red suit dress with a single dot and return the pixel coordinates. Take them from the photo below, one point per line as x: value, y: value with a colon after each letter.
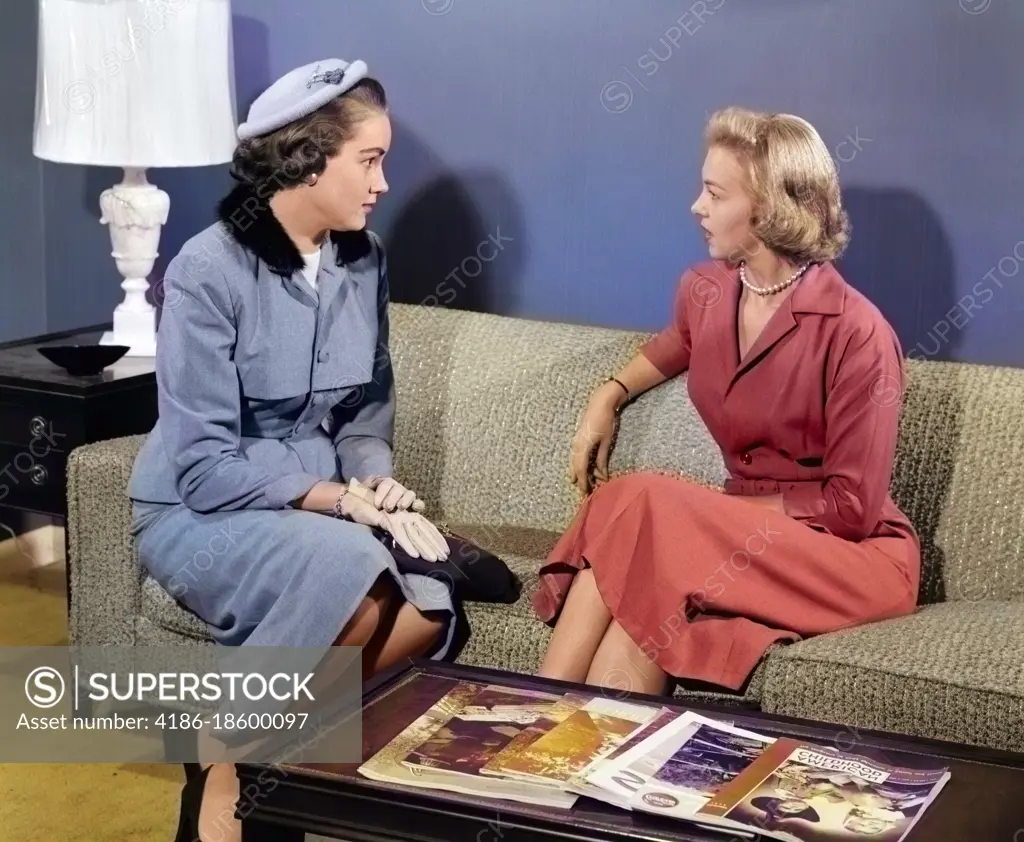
x: 704, y: 581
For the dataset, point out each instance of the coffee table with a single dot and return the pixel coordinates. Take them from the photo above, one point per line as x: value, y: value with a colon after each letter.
x: 984, y: 799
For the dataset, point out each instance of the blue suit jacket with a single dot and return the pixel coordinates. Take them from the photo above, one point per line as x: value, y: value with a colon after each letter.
x: 265, y: 386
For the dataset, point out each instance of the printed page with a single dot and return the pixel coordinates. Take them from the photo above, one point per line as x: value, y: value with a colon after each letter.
x: 388, y: 764
x: 590, y: 733
x: 558, y: 713
x: 804, y: 792
x: 702, y: 762
x: 623, y: 773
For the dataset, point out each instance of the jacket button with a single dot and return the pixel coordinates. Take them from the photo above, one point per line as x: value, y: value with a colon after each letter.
x: 746, y: 458
x: 325, y: 356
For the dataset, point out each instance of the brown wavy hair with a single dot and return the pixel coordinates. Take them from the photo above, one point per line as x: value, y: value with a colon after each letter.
x: 798, y: 209
x: 292, y: 154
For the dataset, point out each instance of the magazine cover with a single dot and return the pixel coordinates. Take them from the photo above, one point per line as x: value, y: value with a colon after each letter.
x: 555, y: 715
x: 580, y: 783
x: 618, y: 781
x: 590, y: 733
x: 387, y: 764
x: 623, y: 773
x: 473, y: 736
x: 800, y: 792
x: 699, y: 764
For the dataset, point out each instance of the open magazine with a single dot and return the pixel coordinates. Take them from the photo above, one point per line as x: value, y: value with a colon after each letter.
x: 548, y: 749
x: 798, y: 792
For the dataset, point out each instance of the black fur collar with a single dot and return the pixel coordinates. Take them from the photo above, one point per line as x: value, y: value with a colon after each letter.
x: 246, y: 213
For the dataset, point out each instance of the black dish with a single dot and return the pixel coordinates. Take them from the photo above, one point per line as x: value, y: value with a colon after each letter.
x: 83, y: 360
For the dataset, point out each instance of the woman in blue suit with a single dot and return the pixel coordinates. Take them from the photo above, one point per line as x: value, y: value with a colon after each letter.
x: 261, y: 495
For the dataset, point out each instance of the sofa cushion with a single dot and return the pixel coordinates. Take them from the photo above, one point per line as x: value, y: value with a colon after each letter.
x: 952, y: 672
x: 164, y: 611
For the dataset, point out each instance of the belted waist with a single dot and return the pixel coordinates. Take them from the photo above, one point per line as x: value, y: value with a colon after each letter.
x: 756, y: 487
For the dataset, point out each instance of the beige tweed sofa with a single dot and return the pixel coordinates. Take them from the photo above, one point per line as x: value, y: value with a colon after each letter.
x: 487, y: 409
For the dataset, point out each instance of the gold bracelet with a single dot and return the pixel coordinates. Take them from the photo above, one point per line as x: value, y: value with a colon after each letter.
x: 629, y: 397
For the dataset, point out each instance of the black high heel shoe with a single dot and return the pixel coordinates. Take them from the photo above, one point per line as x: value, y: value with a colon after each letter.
x: 191, y: 804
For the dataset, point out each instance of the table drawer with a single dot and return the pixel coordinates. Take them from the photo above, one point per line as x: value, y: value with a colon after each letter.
x: 33, y: 477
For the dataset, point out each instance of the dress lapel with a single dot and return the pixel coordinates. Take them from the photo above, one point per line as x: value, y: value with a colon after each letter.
x: 819, y: 291
x: 728, y: 309
x: 781, y: 323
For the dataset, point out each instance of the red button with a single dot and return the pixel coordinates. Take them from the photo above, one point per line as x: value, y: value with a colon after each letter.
x: 746, y: 458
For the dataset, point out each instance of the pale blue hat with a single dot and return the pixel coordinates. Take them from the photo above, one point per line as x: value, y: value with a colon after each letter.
x: 299, y: 93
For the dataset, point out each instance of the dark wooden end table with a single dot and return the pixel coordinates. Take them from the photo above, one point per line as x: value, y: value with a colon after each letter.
x: 45, y: 413
x: 982, y: 801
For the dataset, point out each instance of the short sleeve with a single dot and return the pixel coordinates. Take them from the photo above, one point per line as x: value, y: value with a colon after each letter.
x: 669, y: 350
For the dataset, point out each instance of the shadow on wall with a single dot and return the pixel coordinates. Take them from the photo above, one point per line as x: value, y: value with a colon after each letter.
x: 457, y: 240
x: 900, y: 257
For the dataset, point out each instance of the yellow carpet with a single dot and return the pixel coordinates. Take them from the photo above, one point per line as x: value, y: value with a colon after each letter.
x: 73, y: 802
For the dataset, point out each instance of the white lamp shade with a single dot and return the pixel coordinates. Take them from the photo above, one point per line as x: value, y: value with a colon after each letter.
x: 135, y: 83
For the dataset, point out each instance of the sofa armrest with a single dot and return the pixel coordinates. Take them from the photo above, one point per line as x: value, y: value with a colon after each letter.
x: 105, y: 580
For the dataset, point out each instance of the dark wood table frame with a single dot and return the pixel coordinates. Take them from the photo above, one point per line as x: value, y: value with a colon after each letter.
x: 984, y: 799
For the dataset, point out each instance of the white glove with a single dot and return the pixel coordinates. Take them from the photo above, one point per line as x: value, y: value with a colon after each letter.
x: 413, y: 532
x: 391, y: 496
x: 412, y: 529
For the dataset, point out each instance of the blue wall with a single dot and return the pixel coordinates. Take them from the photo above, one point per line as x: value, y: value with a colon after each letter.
x: 571, y: 129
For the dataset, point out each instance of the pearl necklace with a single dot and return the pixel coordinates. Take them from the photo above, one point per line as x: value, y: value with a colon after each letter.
x: 792, y: 279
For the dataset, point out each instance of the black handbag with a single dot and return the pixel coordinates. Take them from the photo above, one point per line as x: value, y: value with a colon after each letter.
x: 470, y: 572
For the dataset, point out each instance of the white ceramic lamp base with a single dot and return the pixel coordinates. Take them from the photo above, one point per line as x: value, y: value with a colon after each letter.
x: 135, y: 210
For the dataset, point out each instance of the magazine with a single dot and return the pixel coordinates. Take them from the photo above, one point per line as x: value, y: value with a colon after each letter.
x: 388, y: 764
x: 587, y: 734
x: 555, y: 715
x: 479, y: 730
x: 801, y: 792
x: 548, y: 750
x: 580, y: 782
x: 694, y: 765
x: 622, y: 776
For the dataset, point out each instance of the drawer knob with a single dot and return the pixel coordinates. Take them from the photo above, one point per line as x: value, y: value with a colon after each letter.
x: 37, y: 426
x: 38, y: 474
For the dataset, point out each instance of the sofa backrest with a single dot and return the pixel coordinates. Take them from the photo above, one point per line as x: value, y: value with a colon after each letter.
x: 959, y: 476
x: 488, y: 406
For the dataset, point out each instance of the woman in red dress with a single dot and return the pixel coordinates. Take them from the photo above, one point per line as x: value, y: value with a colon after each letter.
x: 799, y: 379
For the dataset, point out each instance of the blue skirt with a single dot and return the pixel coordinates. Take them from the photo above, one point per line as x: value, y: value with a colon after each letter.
x: 263, y: 577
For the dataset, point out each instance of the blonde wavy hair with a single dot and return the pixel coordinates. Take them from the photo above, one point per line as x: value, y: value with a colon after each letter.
x: 798, y: 210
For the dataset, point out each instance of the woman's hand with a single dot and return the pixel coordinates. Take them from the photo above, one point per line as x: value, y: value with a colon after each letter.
x: 411, y: 529
x: 391, y: 496
x: 596, y: 431
x: 413, y: 532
